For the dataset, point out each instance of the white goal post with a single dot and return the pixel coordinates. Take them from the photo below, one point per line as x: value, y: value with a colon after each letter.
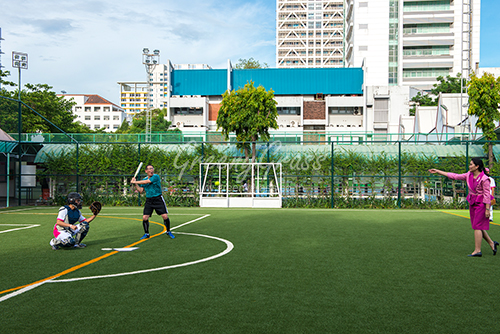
x: 241, y: 185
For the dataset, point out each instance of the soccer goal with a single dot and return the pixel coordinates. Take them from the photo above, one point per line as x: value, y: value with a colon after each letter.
x: 241, y: 185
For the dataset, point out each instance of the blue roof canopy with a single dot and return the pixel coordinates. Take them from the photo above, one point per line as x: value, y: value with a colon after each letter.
x: 283, y: 81
x: 199, y: 82
x: 303, y: 81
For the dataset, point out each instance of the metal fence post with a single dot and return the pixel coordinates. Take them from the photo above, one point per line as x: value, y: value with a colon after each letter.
x: 331, y: 181
x: 77, y: 168
x: 139, y: 156
x: 399, y: 175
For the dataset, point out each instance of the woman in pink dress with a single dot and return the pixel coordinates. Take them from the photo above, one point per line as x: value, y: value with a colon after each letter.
x: 479, y: 199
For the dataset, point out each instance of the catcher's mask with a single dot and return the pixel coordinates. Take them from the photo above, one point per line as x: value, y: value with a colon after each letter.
x: 75, y: 199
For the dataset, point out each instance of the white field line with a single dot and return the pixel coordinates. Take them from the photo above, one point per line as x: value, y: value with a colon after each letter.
x: 27, y: 209
x: 229, y: 248
x: 189, y: 222
x: 20, y: 228
x: 20, y: 291
x: 101, y: 214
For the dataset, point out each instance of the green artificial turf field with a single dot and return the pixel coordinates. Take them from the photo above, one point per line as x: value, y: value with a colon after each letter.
x: 250, y: 271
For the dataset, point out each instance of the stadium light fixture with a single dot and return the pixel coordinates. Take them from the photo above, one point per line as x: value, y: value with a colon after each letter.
x: 19, y: 61
x: 150, y: 60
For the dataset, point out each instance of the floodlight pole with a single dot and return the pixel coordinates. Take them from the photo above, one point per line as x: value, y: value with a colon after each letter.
x: 150, y: 60
x: 19, y: 130
x: 19, y: 61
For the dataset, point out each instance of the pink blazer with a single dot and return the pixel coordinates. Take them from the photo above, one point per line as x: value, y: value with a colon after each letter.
x: 482, y: 191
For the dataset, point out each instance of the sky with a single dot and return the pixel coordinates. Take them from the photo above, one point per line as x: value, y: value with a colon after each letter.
x: 86, y: 47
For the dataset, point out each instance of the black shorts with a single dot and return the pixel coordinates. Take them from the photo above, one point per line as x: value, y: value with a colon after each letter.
x: 155, y: 203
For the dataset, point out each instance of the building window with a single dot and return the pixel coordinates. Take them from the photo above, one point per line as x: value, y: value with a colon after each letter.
x: 288, y: 110
x: 381, y: 110
x: 88, y: 108
x: 107, y: 109
x: 116, y: 118
x: 426, y: 50
x: 97, y: 109
x: 87, y: 118
x: 97, y: 126
x: 188, y: 111
x: 419, y: 6
x: 393, y: 42
x: 97, y: 118
x: 345, y: 110
x: 426, y: 28
x: 106, y: 118
x: 115, y: 126
x: 425, y: 72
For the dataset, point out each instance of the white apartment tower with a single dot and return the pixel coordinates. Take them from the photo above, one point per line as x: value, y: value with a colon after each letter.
x: 309, y: 33
x: 410, y: 42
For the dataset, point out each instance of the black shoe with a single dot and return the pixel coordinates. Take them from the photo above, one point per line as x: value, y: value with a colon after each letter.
x: 495, y: 246
x: 476, y: 255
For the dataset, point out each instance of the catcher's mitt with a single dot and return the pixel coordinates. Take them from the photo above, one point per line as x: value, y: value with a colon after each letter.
x: 95, y: 207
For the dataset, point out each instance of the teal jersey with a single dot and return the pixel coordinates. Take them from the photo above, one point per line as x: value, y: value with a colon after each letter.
x: 152, y: 189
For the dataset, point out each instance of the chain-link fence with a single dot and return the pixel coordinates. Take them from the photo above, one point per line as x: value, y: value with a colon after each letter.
x: 382, y: 174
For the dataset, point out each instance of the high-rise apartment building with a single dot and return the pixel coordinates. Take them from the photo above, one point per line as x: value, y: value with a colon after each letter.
x: 309, y: 33
x: 411, y: 43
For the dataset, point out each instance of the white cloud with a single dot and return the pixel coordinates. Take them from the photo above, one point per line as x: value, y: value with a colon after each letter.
x: 86, y: 47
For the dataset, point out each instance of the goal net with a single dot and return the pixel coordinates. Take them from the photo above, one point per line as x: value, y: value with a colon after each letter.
x: 256, y: 185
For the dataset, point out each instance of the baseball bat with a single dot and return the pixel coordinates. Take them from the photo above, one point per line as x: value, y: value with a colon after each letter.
x: 138, y: 169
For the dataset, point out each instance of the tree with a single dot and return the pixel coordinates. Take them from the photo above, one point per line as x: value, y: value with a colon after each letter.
x: 40, y: 98
x: 3, y: 82
x: 46, y: 103
x: 158, y: 122
x: 422, y: 100
x: 484, y: 98
x: 250, y: 64
x: 124, y: 127
x: 448, y: 85
x: 248, y: 112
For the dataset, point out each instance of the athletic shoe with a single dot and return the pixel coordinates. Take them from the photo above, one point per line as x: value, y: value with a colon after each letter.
x: 170, y: 235
x: 80, y: 246
x: 145, y: 236
x: 52, y: 244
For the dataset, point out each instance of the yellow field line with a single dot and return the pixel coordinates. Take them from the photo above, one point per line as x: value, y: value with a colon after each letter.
x: 67, y: 271
x: 454, y: 214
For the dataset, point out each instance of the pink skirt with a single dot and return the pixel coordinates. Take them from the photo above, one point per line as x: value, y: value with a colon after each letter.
x: 477, y: 218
